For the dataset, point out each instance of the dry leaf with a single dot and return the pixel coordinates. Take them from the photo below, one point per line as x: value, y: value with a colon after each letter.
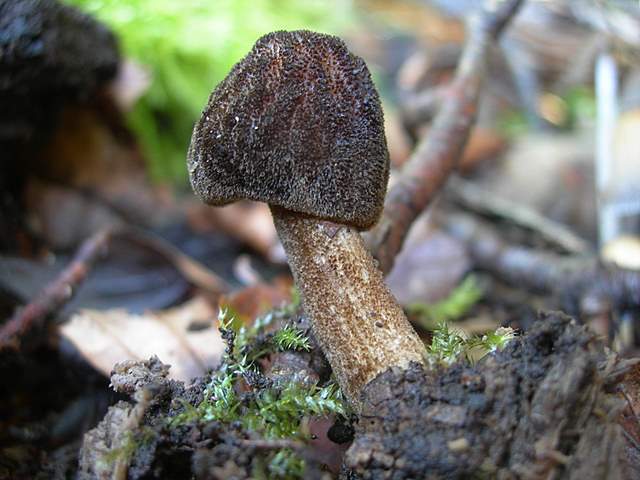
x: 430, y: 265
x: 258, y: 299
x: 184, y: 337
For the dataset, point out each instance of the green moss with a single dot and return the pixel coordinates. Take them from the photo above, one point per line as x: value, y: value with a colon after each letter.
x: 581, y: 105
x: 290, y: 338
x: 287, y: 465
x: 449, y: 345
x: 496, y: 340
x: 274, y: 411
x: 457, y: 304
x: 278, y: 412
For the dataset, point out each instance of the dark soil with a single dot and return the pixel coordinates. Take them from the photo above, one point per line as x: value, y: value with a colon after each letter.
x: 538, y: 409
x: 541, y: 408
x: 137, y: 441
x: 49, y: 399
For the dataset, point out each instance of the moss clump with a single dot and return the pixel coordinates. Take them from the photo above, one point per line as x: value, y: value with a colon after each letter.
x: 285, y: 464
x: 449, y: 345
x: 238, y: 392
x: 290, y: 338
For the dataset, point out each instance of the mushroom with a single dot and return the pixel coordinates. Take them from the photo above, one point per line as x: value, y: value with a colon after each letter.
x: 297, y: 124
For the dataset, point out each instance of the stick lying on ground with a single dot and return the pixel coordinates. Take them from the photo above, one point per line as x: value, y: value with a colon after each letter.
x: 580, y: 281
x: 57, y: 293
x: 474, y: 198
x: 61, y: 290
x: 437, y: 156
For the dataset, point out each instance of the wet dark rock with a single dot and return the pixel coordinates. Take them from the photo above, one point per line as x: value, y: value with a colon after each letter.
x: 50, y: 54
x: 341, y: 432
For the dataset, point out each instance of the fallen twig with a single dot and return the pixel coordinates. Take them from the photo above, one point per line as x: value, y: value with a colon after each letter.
x: 57, y: 293
x: 437, y: 156
x: 61, y: 290
x: 195, y: 272
x: 582, y: 283
x: 474, y: 198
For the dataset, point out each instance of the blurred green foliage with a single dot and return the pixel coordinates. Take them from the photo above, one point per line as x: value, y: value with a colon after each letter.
x: 581, y: 105
x: 576, y: 107
x: 458, y: 303
x: 189, y: 46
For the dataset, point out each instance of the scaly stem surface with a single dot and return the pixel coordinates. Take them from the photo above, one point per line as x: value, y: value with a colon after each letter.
x: 355, y: 318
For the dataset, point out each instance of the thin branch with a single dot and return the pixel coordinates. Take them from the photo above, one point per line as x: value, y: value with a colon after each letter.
x: 530, y: 269
x: 437, y: 156
x: 57, y: 293
x: 578, y: 281
x: 473, y: 198
x: 195, y: 272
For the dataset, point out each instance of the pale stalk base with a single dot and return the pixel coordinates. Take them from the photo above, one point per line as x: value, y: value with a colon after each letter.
x: 361, y: 328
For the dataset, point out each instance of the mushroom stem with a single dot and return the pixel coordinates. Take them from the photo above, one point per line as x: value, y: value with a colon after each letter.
x: 355, y: 318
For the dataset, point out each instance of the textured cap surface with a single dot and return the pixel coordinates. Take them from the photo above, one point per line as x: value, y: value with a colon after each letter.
x: 297, y: 123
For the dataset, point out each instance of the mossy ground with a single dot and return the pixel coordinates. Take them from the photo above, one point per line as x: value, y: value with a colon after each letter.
x: 271, y: 409
x: 255, y: 416
x: 539, y: 406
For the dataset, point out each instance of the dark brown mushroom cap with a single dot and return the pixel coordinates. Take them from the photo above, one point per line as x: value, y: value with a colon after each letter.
x: 297, y: 123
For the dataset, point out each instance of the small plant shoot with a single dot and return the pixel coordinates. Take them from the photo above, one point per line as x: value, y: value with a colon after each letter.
x: 276, y: 410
